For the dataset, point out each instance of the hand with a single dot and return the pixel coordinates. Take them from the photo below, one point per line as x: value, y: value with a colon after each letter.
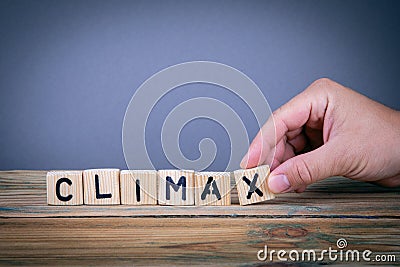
x: 328, y: 130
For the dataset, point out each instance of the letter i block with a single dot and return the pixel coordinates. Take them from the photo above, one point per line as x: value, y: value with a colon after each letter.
x: 213, y: 188
x: 101, y: 187
x: 138, y: 187
x: 64, y: 188
x: 252, y: 185
x: 176, y: 187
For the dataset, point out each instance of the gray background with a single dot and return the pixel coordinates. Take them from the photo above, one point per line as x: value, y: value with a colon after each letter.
x: 69, y: 68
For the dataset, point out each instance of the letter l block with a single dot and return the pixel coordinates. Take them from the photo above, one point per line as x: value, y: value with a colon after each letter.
x: 101, y: 187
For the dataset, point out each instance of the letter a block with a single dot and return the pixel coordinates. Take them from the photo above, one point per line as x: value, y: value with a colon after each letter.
x: 138, y: 187
x: 213, y: 188
x: 64, y: 188
x: 176, y: 187
x: 252, y: 185
x: 101, y: 187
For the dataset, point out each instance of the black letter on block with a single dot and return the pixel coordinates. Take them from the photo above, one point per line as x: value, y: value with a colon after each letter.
x: 138, y: 190
x: 206, y: 190
x: 98, y: 195
x: 58, y: 185
x: 181, y: 182
x: 253, y: 188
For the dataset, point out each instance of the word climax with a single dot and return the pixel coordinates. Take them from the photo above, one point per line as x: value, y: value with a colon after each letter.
x: 150, y: 187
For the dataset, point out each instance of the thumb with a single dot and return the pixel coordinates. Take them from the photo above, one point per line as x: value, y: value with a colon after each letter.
x: 304, y: 169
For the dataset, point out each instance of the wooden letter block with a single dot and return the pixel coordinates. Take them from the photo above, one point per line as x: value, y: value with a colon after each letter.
x: 252, y: 185
x: 213, y: 188
x: 64, y: 188
x: 176, y: 187
x: 101, y: 187
x: 138, y: 187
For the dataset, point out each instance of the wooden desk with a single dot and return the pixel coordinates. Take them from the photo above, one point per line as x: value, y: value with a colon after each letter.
x: 31, y: 232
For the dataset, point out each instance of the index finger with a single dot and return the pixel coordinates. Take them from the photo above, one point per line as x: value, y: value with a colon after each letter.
x: 310, y: 104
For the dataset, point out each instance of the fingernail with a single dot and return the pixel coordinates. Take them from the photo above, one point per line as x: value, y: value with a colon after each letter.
x: 244, y: 161
x: 278, y: 183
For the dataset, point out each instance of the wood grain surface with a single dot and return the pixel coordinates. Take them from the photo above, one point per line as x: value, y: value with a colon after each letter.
x: 34, y: 233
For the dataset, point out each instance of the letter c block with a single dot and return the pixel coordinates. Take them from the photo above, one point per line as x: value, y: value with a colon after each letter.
x: 64, y: 188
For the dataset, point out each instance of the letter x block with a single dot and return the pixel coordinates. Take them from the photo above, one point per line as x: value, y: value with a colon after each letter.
x: 176, y: 187
x: 101, y: 187
x: 252, y: 185
x: 213, y: 188
x: 138, y: 187
x: 64, y: 188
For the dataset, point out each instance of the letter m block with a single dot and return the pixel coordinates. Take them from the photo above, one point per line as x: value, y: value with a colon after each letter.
x: 176, y: 187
